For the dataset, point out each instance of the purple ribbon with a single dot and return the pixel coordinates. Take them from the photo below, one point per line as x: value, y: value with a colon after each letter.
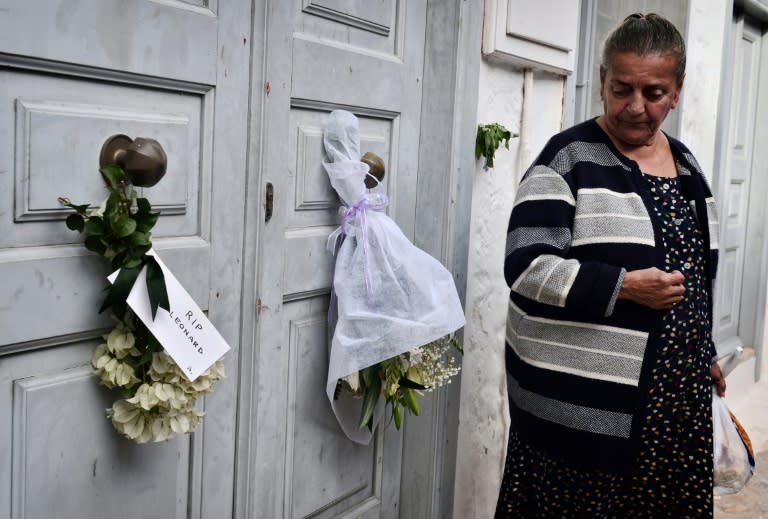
x: 356, y: 215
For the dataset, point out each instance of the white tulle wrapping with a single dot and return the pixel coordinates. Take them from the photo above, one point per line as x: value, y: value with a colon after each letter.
x: 412, y: 300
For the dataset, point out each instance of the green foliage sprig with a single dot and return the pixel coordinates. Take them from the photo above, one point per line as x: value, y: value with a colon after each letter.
x: 489, y: 138
x: 121, y: 233
x: 400, y: 380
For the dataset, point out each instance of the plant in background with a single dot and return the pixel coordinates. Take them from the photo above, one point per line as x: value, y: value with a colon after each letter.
x: 489, y: 138
x: 157, y: 400
x: 400, y: 380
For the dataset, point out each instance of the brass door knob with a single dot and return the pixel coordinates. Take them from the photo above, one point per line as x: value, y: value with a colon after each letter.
x: 375, y: 168
x: 143, y: 159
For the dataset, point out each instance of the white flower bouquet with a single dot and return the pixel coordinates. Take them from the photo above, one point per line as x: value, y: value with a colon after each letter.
x: 395, y: 308
x: 401, y: 379
x: 157, y: 400
x: 163, y: 401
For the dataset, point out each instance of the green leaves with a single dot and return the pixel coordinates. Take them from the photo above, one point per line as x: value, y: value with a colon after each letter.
x: 95, y: 226
x: 489, y: 138
x: 116, y: 205
x: 143, y: 206
x: 409, y: 397
x: 400, y: 380
x: 140, y: 239
x: 95, y: 244
x: 124, y: 226
x: 145, y: 218
x: 369, y: 378
x: 121, y: 234
x: 144, y: 223
x: 397, y: 415
x: 75, y: 222
x: 387, y: 378
x: 114, y: 176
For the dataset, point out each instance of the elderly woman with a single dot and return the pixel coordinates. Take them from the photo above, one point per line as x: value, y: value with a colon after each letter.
x: 611, y: 257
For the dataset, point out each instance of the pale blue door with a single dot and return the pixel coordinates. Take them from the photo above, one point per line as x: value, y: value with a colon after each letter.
x: 72, y: 73
x: 366, y: 57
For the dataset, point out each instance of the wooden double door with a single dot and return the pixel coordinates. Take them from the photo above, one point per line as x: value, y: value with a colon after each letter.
x: 237, y: 92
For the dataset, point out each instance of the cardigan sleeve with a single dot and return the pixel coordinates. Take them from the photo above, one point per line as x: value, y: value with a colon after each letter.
x: 539, y: 237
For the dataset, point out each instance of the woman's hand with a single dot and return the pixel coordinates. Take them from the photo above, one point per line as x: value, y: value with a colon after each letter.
x: 718, y: 380
x: 653, y: 288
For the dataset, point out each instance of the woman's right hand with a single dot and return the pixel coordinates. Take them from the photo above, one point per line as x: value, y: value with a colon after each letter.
x: 653, y: 288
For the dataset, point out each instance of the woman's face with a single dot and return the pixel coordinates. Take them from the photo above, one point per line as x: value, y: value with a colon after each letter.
x: 638, y: 92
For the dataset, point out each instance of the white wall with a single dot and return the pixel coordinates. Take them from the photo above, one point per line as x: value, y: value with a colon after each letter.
x: 701, y: 91
x: 484, y: 416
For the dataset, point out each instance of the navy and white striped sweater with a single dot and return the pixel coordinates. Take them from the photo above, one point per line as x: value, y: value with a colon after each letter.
x: 578, y: 358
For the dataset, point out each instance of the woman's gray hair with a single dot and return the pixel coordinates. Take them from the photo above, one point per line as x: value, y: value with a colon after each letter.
x: 644, y: 35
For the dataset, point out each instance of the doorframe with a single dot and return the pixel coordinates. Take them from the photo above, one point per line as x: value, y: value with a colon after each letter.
x: 759, y: 214
x: 578, y: 85
x: 209, y: 466
x: 245, y: 437
x: 442, y: 228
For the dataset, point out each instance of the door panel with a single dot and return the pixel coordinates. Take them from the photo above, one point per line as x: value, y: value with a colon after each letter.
x: 367, y: 58
x: 732, y: 327
x: 51, y: 132
x: 62, y: 459
x: 314, y: 213
x: 309, y: 425
x: 116, y: 35
x: 41, y: 111
x: 72, y: 73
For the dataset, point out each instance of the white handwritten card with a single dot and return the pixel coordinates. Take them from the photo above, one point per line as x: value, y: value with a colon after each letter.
x: 185, y: 332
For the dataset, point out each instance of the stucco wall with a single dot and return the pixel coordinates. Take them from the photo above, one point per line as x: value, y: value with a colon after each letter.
x: 701, y: 92
x: 484, y: 417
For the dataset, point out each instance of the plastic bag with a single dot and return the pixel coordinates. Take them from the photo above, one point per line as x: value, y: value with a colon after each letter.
x: 392, y: 297
x: 734, y: 459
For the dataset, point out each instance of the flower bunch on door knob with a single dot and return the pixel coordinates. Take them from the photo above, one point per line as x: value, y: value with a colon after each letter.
x: 402, y: 379
x: 157, y: 401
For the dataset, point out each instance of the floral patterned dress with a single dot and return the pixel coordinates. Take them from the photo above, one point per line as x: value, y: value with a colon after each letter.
x: 673, y: 474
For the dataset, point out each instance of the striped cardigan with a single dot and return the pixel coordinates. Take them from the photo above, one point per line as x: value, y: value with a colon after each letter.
x: 578, y: 358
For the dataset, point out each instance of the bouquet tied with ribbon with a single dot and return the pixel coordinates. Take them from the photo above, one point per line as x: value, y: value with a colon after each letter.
x: 157, y: 400
x: 394, y: 307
